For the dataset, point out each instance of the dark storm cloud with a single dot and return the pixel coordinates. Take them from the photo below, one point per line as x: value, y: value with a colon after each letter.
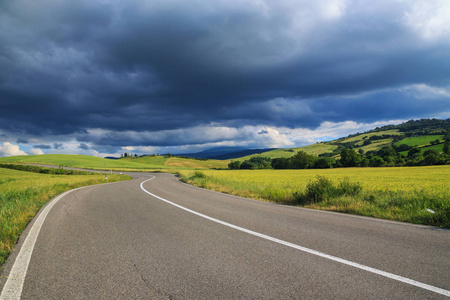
x: 83, y: 146
x: 58, y: 146
x: 140, y: 66
x: 43, y: 146
x: 22, y: 141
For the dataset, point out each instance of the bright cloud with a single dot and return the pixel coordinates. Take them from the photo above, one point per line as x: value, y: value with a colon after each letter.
x: 36, y: 151
x: 8, y: 149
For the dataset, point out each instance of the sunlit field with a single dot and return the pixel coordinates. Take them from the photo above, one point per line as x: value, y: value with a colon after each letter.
x: 145, y: 163
x: 22, y: 194
x: 402, y: 194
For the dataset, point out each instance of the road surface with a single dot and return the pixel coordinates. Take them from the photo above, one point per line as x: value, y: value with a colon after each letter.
x: 157, y: 238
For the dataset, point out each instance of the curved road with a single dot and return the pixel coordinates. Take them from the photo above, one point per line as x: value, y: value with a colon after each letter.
x: 156, y: 238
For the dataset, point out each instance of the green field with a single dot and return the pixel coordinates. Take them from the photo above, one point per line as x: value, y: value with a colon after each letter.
x: 183, y: 163
x: 419, y: 140
x: 22, y: 194
x: 401, y: 194
x: 364, y: 136
x: 76, y: 161
x: 314, y: 149
x: 145, y: 163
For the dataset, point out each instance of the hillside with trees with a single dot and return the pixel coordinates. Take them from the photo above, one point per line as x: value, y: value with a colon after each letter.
x: 414, y: 143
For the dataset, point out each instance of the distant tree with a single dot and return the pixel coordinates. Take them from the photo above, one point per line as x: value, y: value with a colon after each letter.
x: 234, y: 165
x: 447, y: 148
x: 247, y: 165
x: 376, y: 162
x: 431, y: 152
x: 403, y: 147
x: 413, y: 152
x: 447, y: 136
x: 386, y: 151
x: 257, y: 162
x: 281, y: 163
x: 430, y: 160
x: 349, y: 158
x: 364, y: 162
x: 324, y: 163
x: 302, y: 160
x: 261, y: 162
x: 435, y: 142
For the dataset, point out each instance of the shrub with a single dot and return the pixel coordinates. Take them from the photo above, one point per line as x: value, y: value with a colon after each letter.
x: 348, y: 188
x: 198, y: 174
x: 323, y: 189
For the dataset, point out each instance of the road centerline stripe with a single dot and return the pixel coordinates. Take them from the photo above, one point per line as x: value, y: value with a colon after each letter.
x: 307, y: 250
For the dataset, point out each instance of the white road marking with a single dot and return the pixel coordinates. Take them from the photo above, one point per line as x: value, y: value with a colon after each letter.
x: 13, y: 287
x: 307, y: 250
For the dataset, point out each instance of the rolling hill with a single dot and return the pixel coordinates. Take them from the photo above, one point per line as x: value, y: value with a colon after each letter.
x: 126, y: 163
x: 424, y: 134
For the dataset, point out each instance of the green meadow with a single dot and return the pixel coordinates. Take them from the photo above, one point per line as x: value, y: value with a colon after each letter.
x: 144, y: 163
x: 410, y: 194
x: 420, y: 140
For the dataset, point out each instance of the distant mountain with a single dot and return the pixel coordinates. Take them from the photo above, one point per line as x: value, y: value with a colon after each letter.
x: 224, y: 153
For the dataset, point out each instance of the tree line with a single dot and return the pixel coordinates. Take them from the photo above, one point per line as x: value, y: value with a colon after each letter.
x: 387, y: 156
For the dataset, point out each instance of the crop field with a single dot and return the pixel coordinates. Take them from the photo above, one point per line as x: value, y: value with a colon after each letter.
x: 196, y: 164
x: 146, y: 163
x: 22, y: 194
x: 402, y: 194
x: 76, y: 161
x: 375, y: 145
x: 147, y: 160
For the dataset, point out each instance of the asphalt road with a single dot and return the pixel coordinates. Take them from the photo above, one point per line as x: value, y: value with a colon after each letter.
x: 118, y: 242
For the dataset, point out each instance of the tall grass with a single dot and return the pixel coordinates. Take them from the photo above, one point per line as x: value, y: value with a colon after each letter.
x: 414, y: 194
x: 22, y: 194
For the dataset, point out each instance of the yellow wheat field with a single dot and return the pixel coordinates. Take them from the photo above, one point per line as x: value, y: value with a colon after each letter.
x: 432, y: 178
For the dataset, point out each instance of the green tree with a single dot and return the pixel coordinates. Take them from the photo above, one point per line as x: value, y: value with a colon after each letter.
x: 324, y: 163
x: 234, y: 165
x: 447, y: 148
x: 431, y: 152
x: 349, y: 158
x: 281, y: 163
x: 413, y: 152
x: 247, y: 165
x: 376, y: 162
x: 302, y: 160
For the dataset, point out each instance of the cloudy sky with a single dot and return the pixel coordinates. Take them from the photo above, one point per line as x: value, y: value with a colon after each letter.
x: 102, y: 77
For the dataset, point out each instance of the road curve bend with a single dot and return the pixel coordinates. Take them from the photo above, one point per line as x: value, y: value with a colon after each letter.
x: 157, y: 238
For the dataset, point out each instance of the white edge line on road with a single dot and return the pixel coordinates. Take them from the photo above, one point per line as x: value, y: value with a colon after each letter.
x: 307, y: 250
x: 13, y: 287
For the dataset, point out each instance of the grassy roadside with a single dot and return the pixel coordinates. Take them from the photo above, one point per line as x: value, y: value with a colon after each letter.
x: 416, y: 194
x: 22, y: 194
